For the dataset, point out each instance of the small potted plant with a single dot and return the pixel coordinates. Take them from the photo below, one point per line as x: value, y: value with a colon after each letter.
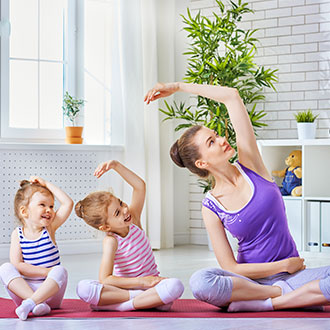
x: 71, y: 108
x: 306, y: 124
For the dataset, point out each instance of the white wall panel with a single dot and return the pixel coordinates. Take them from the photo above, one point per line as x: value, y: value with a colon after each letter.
x: 69, y: 167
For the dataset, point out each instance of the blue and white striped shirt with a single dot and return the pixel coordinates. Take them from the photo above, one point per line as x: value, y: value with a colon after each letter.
x: 40, y: 252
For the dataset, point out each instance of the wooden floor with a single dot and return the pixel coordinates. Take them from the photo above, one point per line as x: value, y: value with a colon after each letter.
x: 179, y: 262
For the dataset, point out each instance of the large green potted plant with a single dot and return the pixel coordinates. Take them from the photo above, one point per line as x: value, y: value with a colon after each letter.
x: 221, y: 53
x: 71, y: 108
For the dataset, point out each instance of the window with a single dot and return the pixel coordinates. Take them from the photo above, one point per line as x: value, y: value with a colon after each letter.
x: 97, y: 70
x: 53, y: 47
x: 35, y: 57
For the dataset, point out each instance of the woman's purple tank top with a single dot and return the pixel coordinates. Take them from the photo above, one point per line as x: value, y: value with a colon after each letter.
x: 261, y: 225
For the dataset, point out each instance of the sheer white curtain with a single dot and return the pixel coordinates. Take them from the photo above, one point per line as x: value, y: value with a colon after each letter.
x: 134, y: 71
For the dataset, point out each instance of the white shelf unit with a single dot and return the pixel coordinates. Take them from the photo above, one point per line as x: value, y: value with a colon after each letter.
x: 308, y: 215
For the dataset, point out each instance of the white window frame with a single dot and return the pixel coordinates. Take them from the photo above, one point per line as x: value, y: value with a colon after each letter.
x: 37, y: 135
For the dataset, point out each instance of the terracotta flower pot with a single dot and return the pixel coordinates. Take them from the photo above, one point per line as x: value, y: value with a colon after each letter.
x: 73, y: 134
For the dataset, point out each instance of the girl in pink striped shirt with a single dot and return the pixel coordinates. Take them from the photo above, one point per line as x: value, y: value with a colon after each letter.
x: 128, y: 276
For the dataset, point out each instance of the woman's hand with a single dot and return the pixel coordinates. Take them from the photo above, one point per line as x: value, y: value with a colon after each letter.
x: 105, y: 167
x: 294, y: 264
x: 147, y: 282
x: 161, y: 90
x: 36, y: 179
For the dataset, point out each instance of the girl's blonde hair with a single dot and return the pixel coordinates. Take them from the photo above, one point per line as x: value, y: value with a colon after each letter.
x: 24, y: 195
x: 93, y: 209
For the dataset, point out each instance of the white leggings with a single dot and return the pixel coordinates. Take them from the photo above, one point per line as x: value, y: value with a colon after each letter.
x: 8, y: 272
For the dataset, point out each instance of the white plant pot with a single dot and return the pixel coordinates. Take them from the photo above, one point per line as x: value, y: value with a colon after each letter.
x: 306, y: 131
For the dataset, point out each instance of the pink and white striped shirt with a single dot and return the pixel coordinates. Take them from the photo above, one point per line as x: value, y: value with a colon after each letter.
x: 134, y: 257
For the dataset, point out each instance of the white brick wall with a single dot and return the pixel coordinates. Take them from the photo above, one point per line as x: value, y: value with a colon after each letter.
x: 295, y: 38
x: 197, y: 229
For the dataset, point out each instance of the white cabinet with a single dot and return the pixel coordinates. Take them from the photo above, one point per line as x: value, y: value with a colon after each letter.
x: 313, y: 226
x: 293, y: 212
x: 308, y: 215
x: 325, y: 227
x: 318, y: 226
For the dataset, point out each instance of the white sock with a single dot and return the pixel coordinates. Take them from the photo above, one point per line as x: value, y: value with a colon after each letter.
x: 41, y: 309
x: 25, y: 308
x: 164, y: 308
x: 285, y: 287
x: 134, y: 293
x: 251, y: 306
x: 122, y: 307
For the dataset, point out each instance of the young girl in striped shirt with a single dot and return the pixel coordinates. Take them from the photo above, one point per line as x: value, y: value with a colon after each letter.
x: 34, y: 278
x: 128, y: 276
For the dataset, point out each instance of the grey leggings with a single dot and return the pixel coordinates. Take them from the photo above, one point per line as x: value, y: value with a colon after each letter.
x: 214, y: 285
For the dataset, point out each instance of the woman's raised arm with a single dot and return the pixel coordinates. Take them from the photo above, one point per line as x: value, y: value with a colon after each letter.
x: 248, y: 152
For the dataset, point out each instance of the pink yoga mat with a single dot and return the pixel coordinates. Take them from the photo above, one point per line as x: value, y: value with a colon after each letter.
x: 187, y: 308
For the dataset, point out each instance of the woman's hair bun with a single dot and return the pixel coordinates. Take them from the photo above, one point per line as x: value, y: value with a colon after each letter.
x: 24, y: 183
x: 175, y: 155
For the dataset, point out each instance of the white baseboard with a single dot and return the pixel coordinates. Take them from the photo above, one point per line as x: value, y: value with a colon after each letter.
x: 86, y: 246
x: 182, y: 238
x: 198, y: 239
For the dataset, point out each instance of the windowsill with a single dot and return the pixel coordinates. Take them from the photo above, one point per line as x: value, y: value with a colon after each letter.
x: 56, y: 146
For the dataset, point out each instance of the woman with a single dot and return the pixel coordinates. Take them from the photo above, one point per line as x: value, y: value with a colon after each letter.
x: 268, y: 273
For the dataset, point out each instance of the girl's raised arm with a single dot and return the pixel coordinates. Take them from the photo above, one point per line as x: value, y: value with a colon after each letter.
x: 66, y: 203
x: 138, y: 185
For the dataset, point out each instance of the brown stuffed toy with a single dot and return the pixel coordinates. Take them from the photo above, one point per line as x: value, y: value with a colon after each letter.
x: 292, y: 175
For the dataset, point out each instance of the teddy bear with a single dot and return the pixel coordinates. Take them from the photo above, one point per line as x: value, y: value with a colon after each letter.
x: 292, y: 181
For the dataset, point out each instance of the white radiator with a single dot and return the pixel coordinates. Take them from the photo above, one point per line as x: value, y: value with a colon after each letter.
x: 71, y: 168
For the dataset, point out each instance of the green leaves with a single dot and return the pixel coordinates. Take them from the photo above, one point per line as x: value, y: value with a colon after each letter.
x: 255, y: 116
x: 305, y: 116
x: 184, y: 113
x: 222, y: 53
x: 71, y: 107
